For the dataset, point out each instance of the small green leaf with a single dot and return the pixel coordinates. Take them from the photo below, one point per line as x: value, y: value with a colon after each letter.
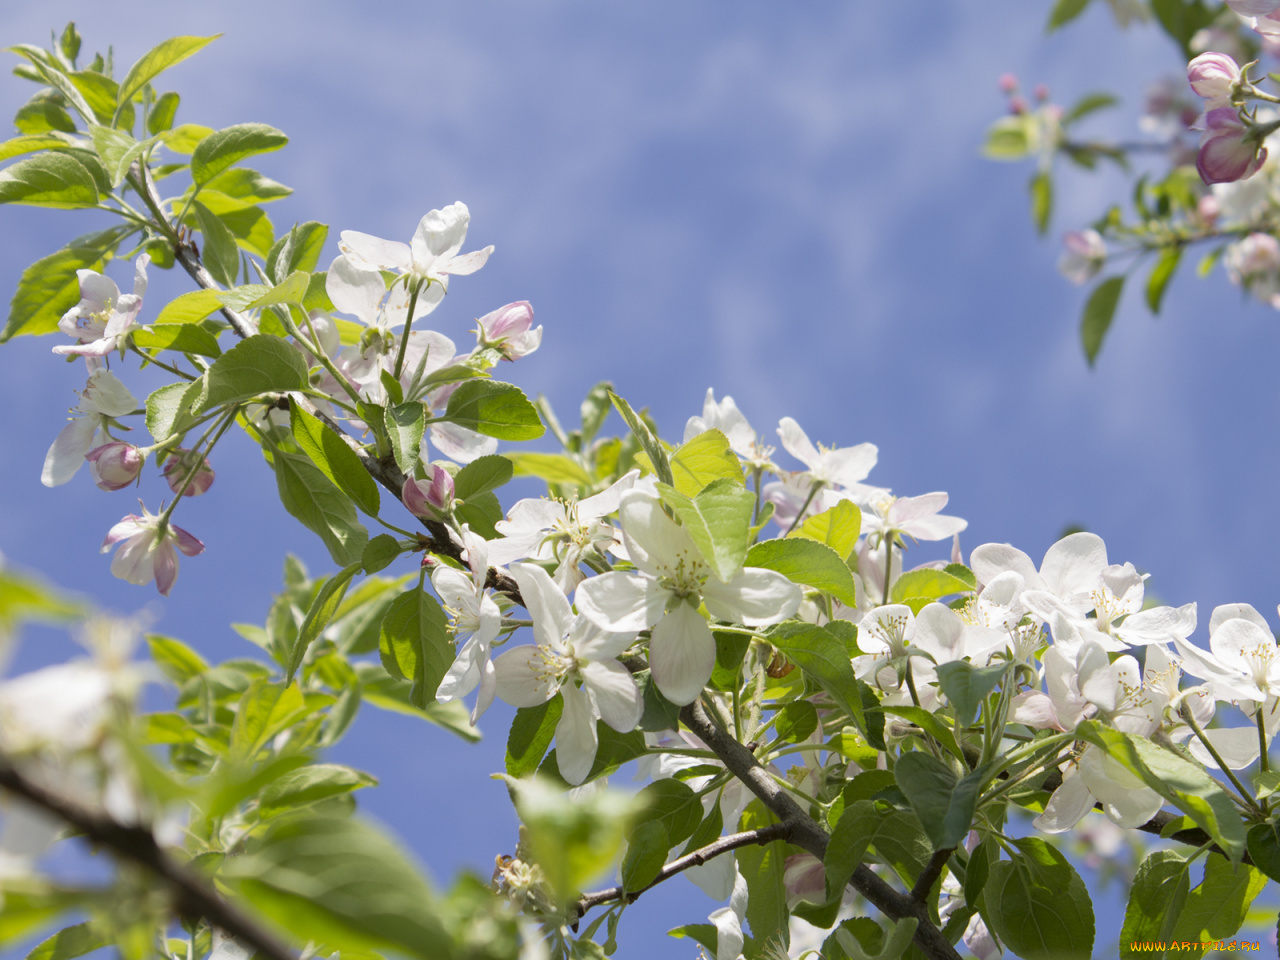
x: 219, y: 253
x: 69, y: 943
x: 651, y: 445
x: 702, y: 461
x: 312, y: 499
x: 1089, y: 103
x: 175, y: 659
x: 309, y: 784
x: 823, y: 658
x: 482, y: 475
x: 1156, y: 898
x: 299, y: 249
x: 808, y: 562
x: 1041, y: 200
x: 190, y: 307
x: 1007, y: 139
x: 181, y: 338
x: 763, y: 868
x: 494, y: 409
x: 1099, y: 311
x: 851, y: 836
x: 229, y: 146
x: 927, y: 584
x: 336, y: 460
x: 1217, y: 907
x: 158, y: 59
x: 380, y: 552
x: 943, y: 802
x: 532, y: 730
x: 405, y: 423
x: 967, y: 686
x: 1161, y: 274
x: 796, y: 721
x: 169, y: 410
x: 320, y: 614
x: 256, y: 365
x: 165, y: 108
x: 55, y: 180
x: 1038, y: 905
x: 717, y: 520
x: 672, y: 804
x: 292, y: 289
x: 838, y: 527
x: 415, y: 643
x: 647, y: 847
x: 50, y: 287
x: 551, y: 467
x: 1064, y: 11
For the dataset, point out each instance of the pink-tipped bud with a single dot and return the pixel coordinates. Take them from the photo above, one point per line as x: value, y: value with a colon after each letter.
x: 1041, y: 93
x: 511, y: 330
x: 1084, y: 252
x: 1018, y: 105
x: 1213, y: 76
x: 179, y: 464
x: 115, y: 465
x: 1209, y: 208
x: 1228, y: 151
x: 804, y: 879
x: 431, y: 498
x: 1008, y: 82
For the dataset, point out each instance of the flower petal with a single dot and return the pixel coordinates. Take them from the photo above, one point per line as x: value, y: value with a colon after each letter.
x: 521, y: 677
x: 682, y: 654
x: 621, y: 602
x: 616, y: 695
x: 575, y: 736
x: 548, y: 607
x: 755, y: 597
x: 374, y: 253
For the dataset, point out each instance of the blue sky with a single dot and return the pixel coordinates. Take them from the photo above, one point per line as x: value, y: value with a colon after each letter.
x: 785, y: 203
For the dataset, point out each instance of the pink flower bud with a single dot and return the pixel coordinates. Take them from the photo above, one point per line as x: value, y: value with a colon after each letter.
x: 1008, y: 82
x: 508, y: 329
x: 1228, y: 151
x: 804, y: 879
x: 179, y: 465
x: 429, y: 498
x: 1041, y: 92
x: 1017, y: 105
x: 1209, y: 208
x: 1083, y: 254
x: 1253, y: 8
x: 1213, y: 76
x: 115, y: 465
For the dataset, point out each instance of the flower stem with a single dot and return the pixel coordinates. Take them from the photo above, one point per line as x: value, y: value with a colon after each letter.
x: 1245, y: 793
x: 888, y: 563
x: 813, y: 492
x: 212, y: 435
x: 1264, y: 762
x: 408, y: 324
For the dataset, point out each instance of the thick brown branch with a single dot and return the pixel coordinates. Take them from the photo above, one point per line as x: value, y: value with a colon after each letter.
x: 807, y: 834
x: 775, y: 831
x: 193, y: 896
x: 930, y: 874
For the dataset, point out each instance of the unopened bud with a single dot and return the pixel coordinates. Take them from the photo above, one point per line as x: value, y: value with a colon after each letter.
x: 431, y: 498
x: 179, y: 464
x: 115, y: 465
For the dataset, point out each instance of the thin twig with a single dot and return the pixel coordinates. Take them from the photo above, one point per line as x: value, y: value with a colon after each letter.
x: 762, y: 836
x: 930, y: 874
x: 193, y: 895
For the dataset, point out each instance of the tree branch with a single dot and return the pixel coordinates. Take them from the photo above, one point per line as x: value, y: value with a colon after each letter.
x: 930, y: 874
x: 765, y: 835
x: 193, y: 895
x: 807, y: 834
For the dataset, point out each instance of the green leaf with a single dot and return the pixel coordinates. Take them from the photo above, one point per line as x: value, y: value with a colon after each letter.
x: 612, y: 751
x: 309, y: 784
x: 967, y: 686
x: 808, y: 562
x: 1064, y: 11
x: 336, y: 460
x: 702, y: 461
x: 1038, y: 905
x: 182, y: 338
x: 30, y: 143
x: 1089, y: 103
x: 254, y: 366
x: 265, y: 709
x: 321, y: 613
x: 926, y: 721
x: 551, y: 467
x: 648, y: 442
x: 190, y: 307
x: 1180, y: 782
x: 1156, y: 898
x: 312, y: 499
x: 299, y: 249
x: 54, y: 180
x: 532, y: 730
x: 647, y: 847
x: 1007, y: 140
x: 158, y: 59
x: 850, y: 837
x: 1182, y: 19
x: 44, y: 113
x: 927, y: 584
x: 49, y: 287
x: 220, y: 253
x: 342, y: 883
x: 763, y: 868
x: 415, y: 643
x: 1161, y: 274
x: 292, y: 289
x: 595, y: 410
x: 481, y: 476
x: 943, y: 803
x: 796, y: 721
x: 246, y: 188
x: 824, y: 659
x: 229, y: 146
x: 185, y: 137
x: 1099, y: 311
x: 175, y: 659
x: 165, y: 108
x: 1217, y: 907
x: 717, y: 520
x: 380, y: 552
x: 672, y: 804
x: 838, y: 527
x: 1263, y: 842
x: 169, y: 410
x: 1041, y: 200
x: 494, y: 409
x: 70, y: 942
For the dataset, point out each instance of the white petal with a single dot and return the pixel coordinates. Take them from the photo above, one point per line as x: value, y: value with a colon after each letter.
x: 621, y: 602
x: 66, y: 454
x: 1072, y: 567
x: 548, y: 607
x: 655, y: 543
x: 1238, y: 746
x: 374, y: 253
x: 441, y: 233
x: 575, y: 736
x: 714, y: 878
x: 1234, y: 611
x: 992, y: 559
x: 755, y: 597
x: 468, y: 263
x: 521, y: 677
x: 1067, y: 807
x: 682, y: 654
x: 616, y: 695
x: 461, y: 444
x: 355, y: 290
x: 105, y: 393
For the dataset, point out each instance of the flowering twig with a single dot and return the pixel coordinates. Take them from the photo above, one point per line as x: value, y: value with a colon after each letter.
x: 762, y: 836
x: 193, y: 895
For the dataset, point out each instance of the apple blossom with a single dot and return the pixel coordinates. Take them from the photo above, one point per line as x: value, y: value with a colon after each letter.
x: 361, y: 292
x: 180, y: 464
x: 145, y: 549
x: 728, y: 419
x: 103, y: 317
x: 1229, y: 150
x: 1254, y: 263
x: 914, y: 517
x: 576, y: 658
x: 475, y: 621
x: 507, y: 330
x: 1083, y: 255
x: 672, y: 579
x: 1214, y: 77
x: 104, y: 398
x: 433, y: 498
x: 115, y: 465
x: 431, y: 256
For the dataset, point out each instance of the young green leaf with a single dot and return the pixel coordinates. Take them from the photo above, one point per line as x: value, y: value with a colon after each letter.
x: 1161, y: 274
x: 648, y: 442
x: 1038, y: 905
x: 415, y: 643
x: 838, y: 527
x: 220, y: 253
x: 55, y: 180
x: 229, y: 146
x: 481, y: 476
x: 494, y: 409
x: 531, y: 733
x: 256, y: 365
x: 702, y: 461
x: 158, y: 59
x: 336, y: 460
x: 717, y: 520
x: 50, y: 287
x: 321, y: 507
x: 807, y: 562
x: 1099, y: 311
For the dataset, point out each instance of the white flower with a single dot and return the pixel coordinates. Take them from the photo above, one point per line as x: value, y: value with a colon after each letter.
x: 915, y: 517
x: 475, y: 620
x: 363, y: 293
x: 1083, y: 255
x: 728, y: 419
x: 431, y: 256
x: 103, y: 398
x: 835, y: 466
x: 145, y: 550
x: 672, y: 580
x: 579, y: 660
x: 103, y: 316
x: 1243, y: 662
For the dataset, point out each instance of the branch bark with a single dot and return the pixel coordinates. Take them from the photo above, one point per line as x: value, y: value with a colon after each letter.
x: 193, y: 895
x: 807, y: 834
